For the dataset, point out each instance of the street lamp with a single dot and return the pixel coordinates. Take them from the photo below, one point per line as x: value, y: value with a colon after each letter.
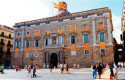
x: 102, y: 54
x: 32, y: 58
x: 64, y: 57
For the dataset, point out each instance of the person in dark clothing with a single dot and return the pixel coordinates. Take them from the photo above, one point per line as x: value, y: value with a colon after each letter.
x: 34, y: 71
x: 99, y: 70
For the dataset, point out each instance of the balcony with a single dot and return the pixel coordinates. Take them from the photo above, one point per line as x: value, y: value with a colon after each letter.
x: 1, y: 43
x: 54, y: 46
x: 9, y: 45
x: 6, y: 36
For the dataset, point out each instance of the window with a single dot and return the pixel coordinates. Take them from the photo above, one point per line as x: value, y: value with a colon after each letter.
x: 2, y: 40
x: 27, y: 43
x: 86, y: 24
x: 36, y: 43
x: 86, y: 38
x: 61, y: 40
x: 9, y: 35
x: 61, y: 27
x: 86, y: 52
x: 18, y: 33
x: 48, y: 29
x: 36, y: 54
x: 47, y: 41
x: 99, y: 23
x: 17, y: 44
x: 102, y: 37
x: 73, y: 41
x: 102, y: 51
x: 27, y: 32
x: 2, y: 34
x: 9, y: 42
x: 73, y: 53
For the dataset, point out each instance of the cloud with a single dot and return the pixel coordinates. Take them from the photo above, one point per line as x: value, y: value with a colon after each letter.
x: 13, y: 11
x: 117, y: 27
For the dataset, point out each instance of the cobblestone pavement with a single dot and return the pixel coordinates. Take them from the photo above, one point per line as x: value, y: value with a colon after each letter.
x: 44, y: 74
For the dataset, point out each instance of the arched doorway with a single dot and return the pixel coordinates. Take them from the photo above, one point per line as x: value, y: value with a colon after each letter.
x: 53, y: 59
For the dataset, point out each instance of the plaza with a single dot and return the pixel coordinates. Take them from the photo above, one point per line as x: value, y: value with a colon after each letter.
x: 44, y: 74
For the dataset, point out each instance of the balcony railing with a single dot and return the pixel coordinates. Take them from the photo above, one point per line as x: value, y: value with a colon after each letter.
x: 9, y: 45
x: 54, y: 46
x: 1, y: 43
x: 6, y: 36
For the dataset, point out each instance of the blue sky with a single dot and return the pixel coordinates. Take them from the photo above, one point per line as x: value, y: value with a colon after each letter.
x: 13, y: 11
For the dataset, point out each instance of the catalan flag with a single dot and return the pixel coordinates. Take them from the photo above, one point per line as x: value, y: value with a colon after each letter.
x: 61, y: 6
x: 56, y: 6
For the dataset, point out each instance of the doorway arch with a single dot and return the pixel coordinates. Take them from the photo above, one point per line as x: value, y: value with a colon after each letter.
x: 53, y: 60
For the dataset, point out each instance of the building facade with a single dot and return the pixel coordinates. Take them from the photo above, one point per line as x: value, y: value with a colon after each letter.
x: 6, y: 42
x: 82, y: 38
x: 123, y: 25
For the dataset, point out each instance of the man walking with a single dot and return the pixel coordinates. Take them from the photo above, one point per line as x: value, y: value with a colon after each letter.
x: 34, y: 71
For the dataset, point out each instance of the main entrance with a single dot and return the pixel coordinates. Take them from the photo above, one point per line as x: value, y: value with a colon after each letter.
x: 53, y: 59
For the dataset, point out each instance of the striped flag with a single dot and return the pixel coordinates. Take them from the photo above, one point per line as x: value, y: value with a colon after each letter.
x: 56, y: 6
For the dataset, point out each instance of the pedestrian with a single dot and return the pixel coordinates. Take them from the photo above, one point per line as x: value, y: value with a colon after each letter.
x: 17, y: 68
x: 74, y: 66
x: 78, y: 66
x: 61, y: 68
x: 67, y: 68
x: 94, y: 71
x: 51, y: 66
x: 111, y: 71
x: 99, y: 70
x: 116, y: 70
x: 34, y: 71
x: 29, y: 71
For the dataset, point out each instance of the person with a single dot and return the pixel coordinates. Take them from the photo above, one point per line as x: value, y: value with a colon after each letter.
x: 16, y: 68
x: 94, y: 71
x: 99, y: 70
x: 74, y: 66
x: 78, y: 66
x: 61, y: 67
x: 34, y: 71
x: 67, y: 68
x: 111, y: 71
x: 29, y: 71
x: 51, y: 68
x: 116, y: 70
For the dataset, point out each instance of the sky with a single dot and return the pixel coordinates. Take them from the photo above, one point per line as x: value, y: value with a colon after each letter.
x: 14, y: 11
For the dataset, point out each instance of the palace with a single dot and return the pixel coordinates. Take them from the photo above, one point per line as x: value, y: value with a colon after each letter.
x: 83, y: 38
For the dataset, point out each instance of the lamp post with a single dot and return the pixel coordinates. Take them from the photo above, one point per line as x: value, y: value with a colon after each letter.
x: 32, y: 58
x: 64, y: 57
x: 102, y: 54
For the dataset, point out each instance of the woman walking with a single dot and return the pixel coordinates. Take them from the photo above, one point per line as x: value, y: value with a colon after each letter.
x: 29, y: 71
x: 94, y: 71
x: 99, y: 70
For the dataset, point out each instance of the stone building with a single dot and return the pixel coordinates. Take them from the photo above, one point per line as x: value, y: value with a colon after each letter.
x: 123, y: 25
x: 82, y: 38
x: 6, y: 42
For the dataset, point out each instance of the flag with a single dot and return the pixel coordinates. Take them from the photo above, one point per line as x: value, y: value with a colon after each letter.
x: 56, y: 6
x: 61, y: 6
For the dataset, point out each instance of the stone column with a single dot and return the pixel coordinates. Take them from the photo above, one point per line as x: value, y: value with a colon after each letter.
x: 109, y: 31
x: 94, y: 33
x: 14, y: 41
x: 22, y: 39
